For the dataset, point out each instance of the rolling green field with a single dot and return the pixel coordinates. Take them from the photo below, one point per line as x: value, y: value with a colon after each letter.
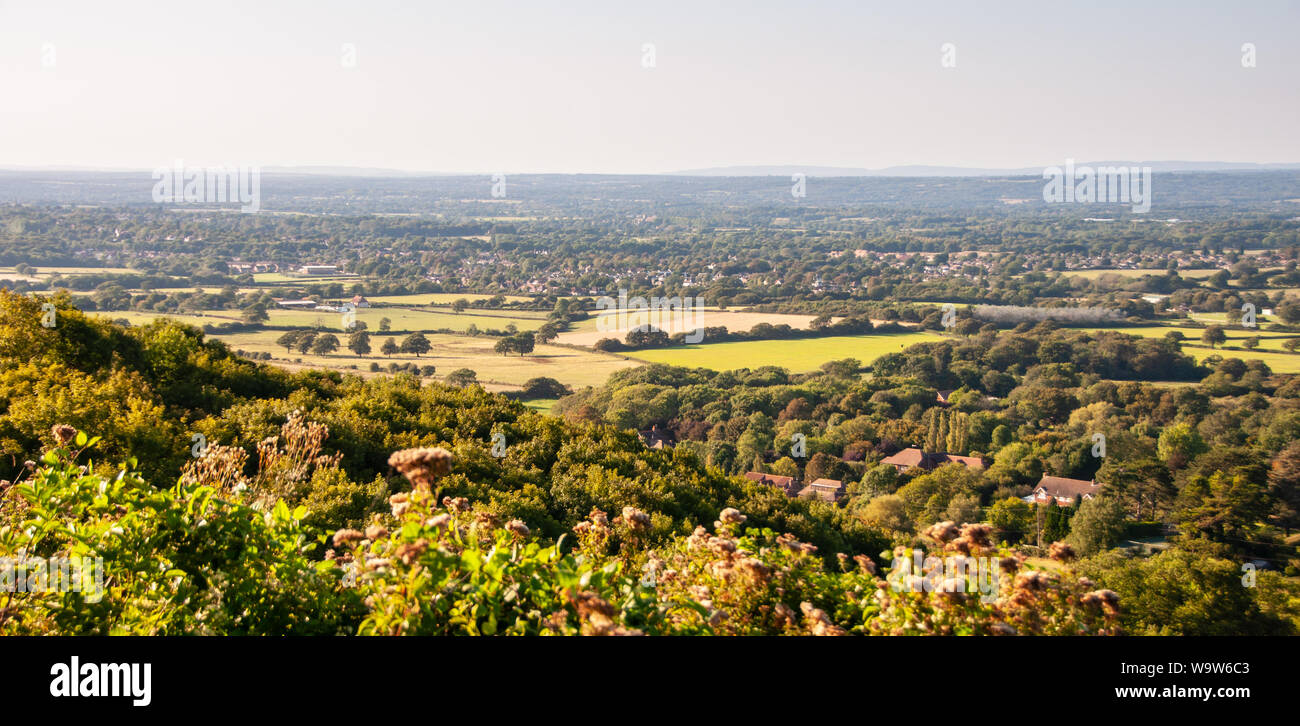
x: 1268, y: 340
x: 136, y: 317
x: 1277, y: 362
x: 797, y: 355
x: 1270, y: 345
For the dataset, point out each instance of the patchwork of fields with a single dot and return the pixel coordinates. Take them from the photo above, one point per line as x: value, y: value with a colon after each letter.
x: 573, y: 363
x: 449, y: 352
x: 797, y: 355
x: 610, y: 325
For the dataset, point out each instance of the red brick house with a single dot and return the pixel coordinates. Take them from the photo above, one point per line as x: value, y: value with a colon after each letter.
x: 908, y: 459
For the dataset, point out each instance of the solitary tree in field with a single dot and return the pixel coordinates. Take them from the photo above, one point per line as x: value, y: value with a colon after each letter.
x: 1250, y: 343
x: 325, y: 344
x: 385, y: 325
x: 416, y: 343
x: 1291, y: 344
x: 359, y: 342
x: 288, y: 340
x: 1214, y: 336
x: 389, y: 347
x: 460, y: 305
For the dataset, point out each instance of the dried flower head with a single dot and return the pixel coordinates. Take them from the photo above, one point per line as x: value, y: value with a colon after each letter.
x: 754, y: 569
x: 976, y: 533
x: 422, y: 466
x: 438, y: 521
x: 400, y: 503
x: 635, y: 518
x: 942, y: 532
x: 456, y: 504
x: 1032, y: 580
x: 376, y: 532
x: 722, y: 544
x: 731, y: 516
x: 344, y: 536
x: 865, y: 564
x: 1108, y: 599
x: 819, y: 623
x: 1061, y: 552
x: 517, y: 528
x: 63, y: 433
x: 409, y: 552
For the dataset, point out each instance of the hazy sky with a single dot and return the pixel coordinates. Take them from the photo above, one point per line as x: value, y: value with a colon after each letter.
x: 560, y: 87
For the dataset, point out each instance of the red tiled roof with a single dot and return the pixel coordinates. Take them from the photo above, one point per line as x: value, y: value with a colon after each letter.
x: 1063, y: 488
x: 973, y: 462
x: 762, y: 478
x: 826, y: 489
x: 915, y: 457
x: 906, y: 457
x: 784, y: 483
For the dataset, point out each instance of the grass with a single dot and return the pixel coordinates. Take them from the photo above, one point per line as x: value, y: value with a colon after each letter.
x: 540, y: 405
x: 1277, y: 362
x: 571, y: 367
x: 797, y: 355
x: 588, y: 331
x: 136, y: 317
x: 1270, y: 349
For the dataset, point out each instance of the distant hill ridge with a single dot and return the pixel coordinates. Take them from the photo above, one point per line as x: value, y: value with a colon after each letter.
x: 922, y: 170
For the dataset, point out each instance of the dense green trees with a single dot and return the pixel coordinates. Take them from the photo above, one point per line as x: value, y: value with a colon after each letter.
x: 521, y: 343
x: 1097, y: 526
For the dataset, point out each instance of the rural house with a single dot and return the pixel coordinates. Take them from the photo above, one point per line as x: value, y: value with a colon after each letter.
x: 910, y: 458
x: 786, y: 484
x: 1061, y: 489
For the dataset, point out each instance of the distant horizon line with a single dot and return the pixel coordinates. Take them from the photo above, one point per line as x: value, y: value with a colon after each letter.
x: 739, y: 170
